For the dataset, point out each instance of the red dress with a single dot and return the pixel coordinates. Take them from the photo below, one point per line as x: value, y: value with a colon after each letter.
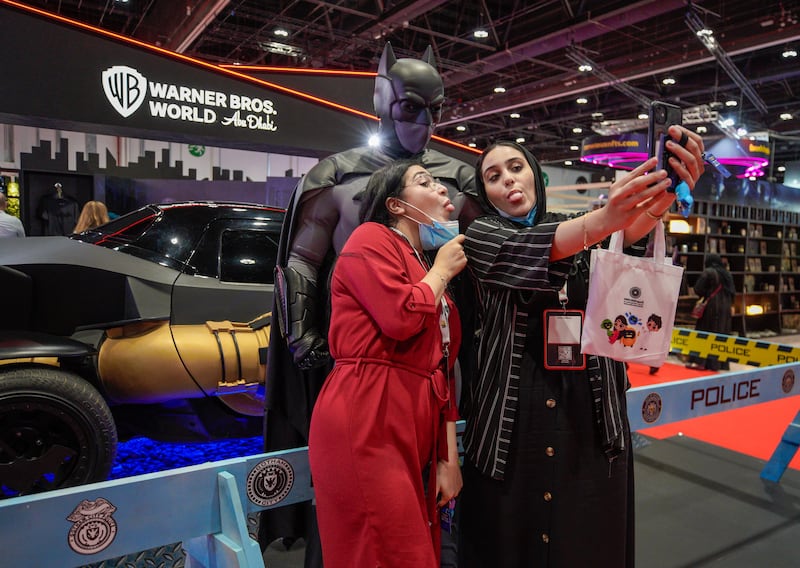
x: 380, y: 415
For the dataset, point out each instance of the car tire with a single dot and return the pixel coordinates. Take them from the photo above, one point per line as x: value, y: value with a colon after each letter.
x: 56, y: 431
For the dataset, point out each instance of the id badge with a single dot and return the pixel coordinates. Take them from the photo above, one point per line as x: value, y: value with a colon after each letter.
x: 562, y: 340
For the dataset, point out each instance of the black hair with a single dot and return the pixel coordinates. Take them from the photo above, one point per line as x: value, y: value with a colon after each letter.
x: 384, y: 183
x: 656, y: 319
x: 538, y: 177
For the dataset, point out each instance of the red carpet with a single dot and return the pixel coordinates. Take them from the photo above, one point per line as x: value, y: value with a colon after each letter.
x: 754, y: 431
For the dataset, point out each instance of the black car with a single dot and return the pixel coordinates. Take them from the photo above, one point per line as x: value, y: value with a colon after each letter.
x: 156, y: 324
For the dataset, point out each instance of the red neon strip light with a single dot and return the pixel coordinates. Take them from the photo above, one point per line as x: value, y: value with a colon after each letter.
x: 300, y: 70
x: 216, y: 68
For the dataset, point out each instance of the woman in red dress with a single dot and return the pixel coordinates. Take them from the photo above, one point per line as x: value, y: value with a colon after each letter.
x: 387, y: 413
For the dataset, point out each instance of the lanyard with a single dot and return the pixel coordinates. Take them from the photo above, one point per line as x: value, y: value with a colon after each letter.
x: 444, y: 317
x: 563, y: 298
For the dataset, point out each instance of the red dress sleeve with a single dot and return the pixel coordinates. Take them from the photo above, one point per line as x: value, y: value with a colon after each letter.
x: 377, y: 270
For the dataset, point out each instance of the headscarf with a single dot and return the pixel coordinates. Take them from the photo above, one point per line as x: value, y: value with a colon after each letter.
x: 538, y: 177
x: 714, y: 261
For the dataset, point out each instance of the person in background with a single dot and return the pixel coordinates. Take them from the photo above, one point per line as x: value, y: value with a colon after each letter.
x: 10, y: 226
x: 548, y: 471
x: 93, y: 214
x: 387, y: 410
x: 715, y: 283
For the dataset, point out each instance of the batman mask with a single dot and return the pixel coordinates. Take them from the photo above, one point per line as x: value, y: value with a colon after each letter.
x: 408, y: 99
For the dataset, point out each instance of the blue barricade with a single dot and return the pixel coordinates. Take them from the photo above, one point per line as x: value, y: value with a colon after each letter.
x: 205, y: 506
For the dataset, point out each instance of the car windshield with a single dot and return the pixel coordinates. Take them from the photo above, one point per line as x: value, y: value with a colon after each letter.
x: 170, y: 234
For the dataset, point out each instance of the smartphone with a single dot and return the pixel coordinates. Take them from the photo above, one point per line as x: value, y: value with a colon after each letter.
x: 662, y: 116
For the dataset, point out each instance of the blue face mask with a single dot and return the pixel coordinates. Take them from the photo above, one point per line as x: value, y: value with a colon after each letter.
x: 527, y: 220
x: 433, y: 236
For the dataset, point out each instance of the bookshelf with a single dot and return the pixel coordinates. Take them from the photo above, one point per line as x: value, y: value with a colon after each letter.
x: 760, y: 246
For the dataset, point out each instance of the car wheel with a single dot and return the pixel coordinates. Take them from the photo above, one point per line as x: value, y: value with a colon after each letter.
x: 56, y: 431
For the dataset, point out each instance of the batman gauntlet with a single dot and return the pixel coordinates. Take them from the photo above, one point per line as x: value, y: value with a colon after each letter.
x: 297, y: 312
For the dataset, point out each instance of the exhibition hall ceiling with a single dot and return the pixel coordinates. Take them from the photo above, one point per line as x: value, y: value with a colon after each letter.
x: 522, y: 80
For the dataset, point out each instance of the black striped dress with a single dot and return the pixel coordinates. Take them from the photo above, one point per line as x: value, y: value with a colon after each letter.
x: 539, y: 489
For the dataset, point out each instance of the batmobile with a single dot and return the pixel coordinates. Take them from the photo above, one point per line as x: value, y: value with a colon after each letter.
x: 155, y: 324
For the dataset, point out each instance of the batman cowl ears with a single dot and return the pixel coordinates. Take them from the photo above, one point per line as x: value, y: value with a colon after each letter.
x: 396, y: 76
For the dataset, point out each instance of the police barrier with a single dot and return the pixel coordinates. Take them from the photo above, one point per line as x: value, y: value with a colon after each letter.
x: 662, y: 403
x: 731, y: 348
x: 205, y: 506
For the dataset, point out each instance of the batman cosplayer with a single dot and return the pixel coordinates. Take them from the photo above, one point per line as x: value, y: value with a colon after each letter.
x: 408, y: 99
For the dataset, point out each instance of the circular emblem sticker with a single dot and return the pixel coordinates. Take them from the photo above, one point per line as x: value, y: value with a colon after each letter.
x: 635, y: 292
x: 270, y: 481
x: 197, y: 150
x: 93, y: 527
x: 651, y: 407
x: 787, y: 382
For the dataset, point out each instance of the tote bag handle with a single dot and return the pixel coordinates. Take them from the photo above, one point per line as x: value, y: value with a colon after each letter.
x: 659, y: 241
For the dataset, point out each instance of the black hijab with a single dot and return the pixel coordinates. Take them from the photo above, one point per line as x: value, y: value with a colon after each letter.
x: 541, y: 199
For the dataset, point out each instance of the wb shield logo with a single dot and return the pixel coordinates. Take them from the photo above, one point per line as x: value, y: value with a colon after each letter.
x: 125, y: 88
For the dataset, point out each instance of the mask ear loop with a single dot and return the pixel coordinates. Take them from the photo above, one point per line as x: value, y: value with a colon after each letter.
x: 432, y: 220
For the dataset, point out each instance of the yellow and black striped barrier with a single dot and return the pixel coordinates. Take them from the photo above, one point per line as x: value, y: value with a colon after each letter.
x: 733, y: 349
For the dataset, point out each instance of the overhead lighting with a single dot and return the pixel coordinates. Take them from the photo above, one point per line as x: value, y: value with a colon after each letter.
x: 706, y: 36
x: 741, y: 131
x: 280, y: 48
x: 472, y: 145
x: 702, y: 129
x: 582, y: 100
x: 480, y: 33
x: 597, y: 115
x: 781, y: 168
x: 786, y: 116
x: 727, y: 122
x: 461, y: 128
x: 499, y: 89
x: 574, y: 147
x: 567, y: 162
x: 585, y: 68
x: 280, y: 32
x: 668, y: 81
x: 374, y: 141
x: 514, y: 115
x: 520, y: 140
x: 788, y: 53
x: 643, y: 116
x: 577, y: 130
x: 731, y: 103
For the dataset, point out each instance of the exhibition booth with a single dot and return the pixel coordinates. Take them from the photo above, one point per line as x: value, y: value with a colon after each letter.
x: 150, y: 114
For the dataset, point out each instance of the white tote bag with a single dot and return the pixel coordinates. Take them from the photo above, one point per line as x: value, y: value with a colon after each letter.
x: 630, y: 312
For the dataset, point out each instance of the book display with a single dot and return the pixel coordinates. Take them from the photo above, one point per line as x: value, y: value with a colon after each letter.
x: 759, y: 246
